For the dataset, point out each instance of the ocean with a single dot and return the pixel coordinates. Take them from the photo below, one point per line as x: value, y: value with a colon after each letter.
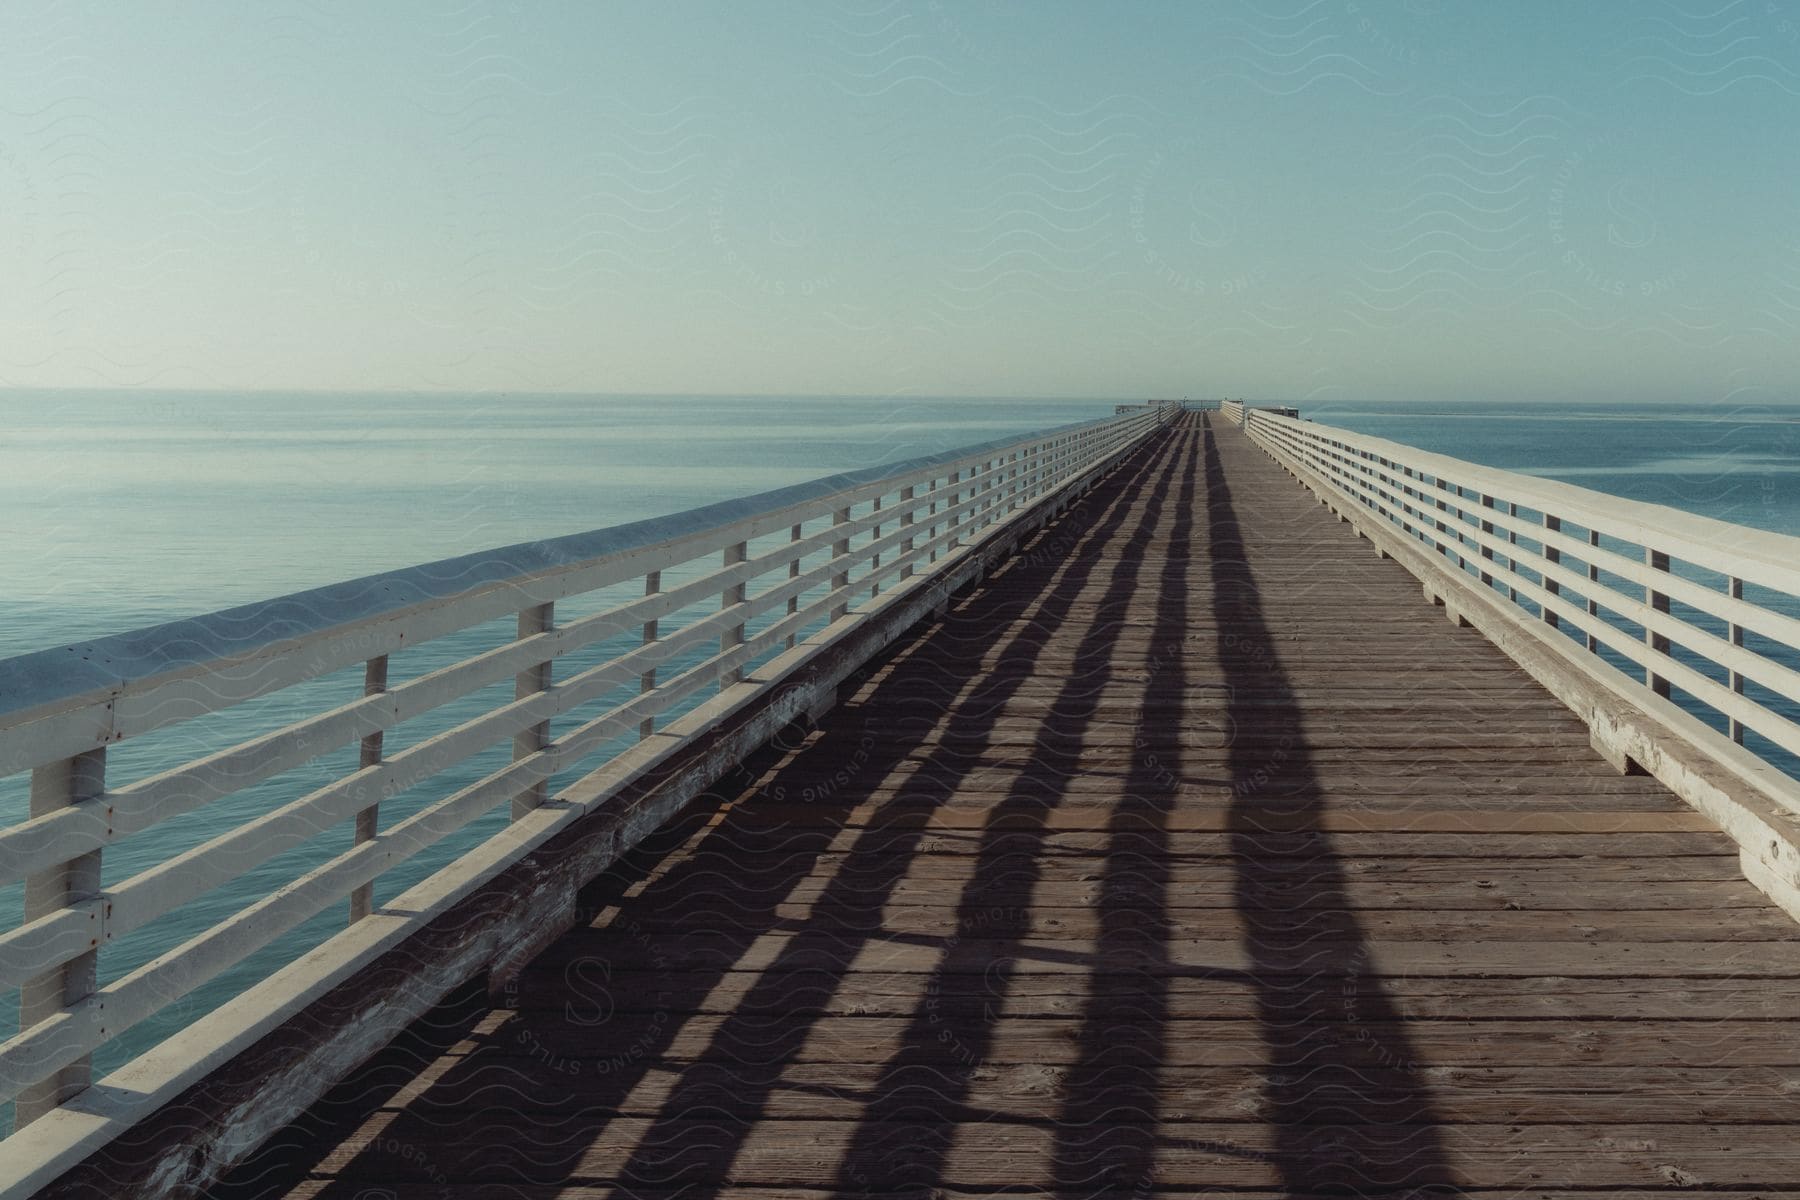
x: 128, y: 509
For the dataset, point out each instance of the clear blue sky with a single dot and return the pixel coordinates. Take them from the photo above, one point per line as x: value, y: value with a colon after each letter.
x: 1430, y: 199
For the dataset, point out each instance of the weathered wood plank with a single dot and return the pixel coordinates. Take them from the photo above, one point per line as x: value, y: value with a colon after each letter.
x: 1313, y: 955
x: 1702, y: 902
x: 1471, y: 867
x: 547, y: 987
x: 997, y: 1153
x: 500, y: 1091
x: 1078, y: 816
x: 317, y: 1189
x: 896, y: 836
x: 1086, y: 922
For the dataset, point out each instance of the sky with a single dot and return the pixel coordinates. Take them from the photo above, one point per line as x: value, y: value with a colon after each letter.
x: 1299, y: 200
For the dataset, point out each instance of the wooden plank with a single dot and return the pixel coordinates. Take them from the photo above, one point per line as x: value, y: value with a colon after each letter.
x: 976, y: 778
x: 1009, y: 1154
x: 1141, y: 904
x: 489, y: 1089
x: 997, y: 784
x: 1075, y: 816
x: 895, y: 836
x: 549, y: 986
x: 1316, y: 956
x: 802, y: 860
x: 1223, y: 888
x: 899, y: 1190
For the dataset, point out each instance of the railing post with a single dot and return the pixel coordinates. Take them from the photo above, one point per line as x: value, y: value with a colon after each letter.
x: 1487, y: 552
x: 362, y: 898
x: 733, y: 636
x: 1444, y: 506
x: 1551, y: 555
x: 529, y: 682
x: 840, y: 549
x: 931, y: 516
x: 647, y: 680
x: 1405, y: 519
x: 1461, y: 562
x: 793, y: 604
x: 1593, y: 604
x: 1658, y: 601
x: 955, y: 517
x: 1735, y: 587
x: 874, y: 559
x: 906, y: 520
x: 62, y: 885
x: 1512, y: 560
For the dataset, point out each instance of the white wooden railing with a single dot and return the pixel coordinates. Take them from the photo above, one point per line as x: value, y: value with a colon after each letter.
x: 1657, y: 604
x: 716, y: 598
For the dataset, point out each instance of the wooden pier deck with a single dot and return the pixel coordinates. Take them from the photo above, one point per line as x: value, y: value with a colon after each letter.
x: 1190, y: 852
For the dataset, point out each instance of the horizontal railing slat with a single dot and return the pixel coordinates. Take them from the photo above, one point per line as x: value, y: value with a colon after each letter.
x: 144, y: 897
x: 48, y: 942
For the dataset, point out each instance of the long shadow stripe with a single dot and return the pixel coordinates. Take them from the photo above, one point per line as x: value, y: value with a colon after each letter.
x: 1323, y: 1039
x: 919, y: 1100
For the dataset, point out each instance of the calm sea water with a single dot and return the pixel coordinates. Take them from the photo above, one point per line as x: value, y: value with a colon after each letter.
x: 123, y: 510
x: 126, y: 509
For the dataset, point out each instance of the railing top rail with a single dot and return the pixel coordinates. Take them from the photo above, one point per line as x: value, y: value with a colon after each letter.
x: 40, y: 683
x: 1704, y: 541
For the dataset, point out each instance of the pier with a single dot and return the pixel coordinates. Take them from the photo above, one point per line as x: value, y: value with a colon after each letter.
x: 1188, y: 802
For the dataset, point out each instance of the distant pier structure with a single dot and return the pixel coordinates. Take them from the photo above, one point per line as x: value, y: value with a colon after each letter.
x: 1234, y: 410
x: 1107, y: 811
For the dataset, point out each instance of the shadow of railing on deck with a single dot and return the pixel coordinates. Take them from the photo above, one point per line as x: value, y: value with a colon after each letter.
x: 1343, y: 1087
x: 923, y: 1093
x: 1107, y: 1131
x: 586, y: 1063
